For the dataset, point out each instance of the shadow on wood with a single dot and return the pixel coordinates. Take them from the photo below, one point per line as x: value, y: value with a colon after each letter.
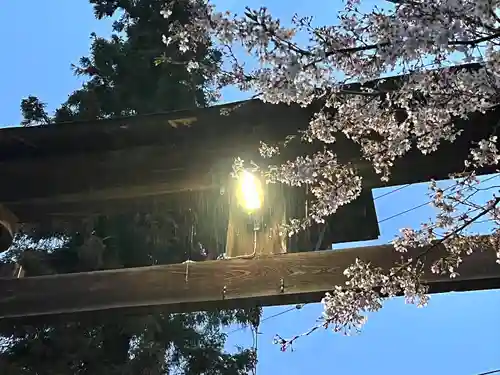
x: 356, y: 221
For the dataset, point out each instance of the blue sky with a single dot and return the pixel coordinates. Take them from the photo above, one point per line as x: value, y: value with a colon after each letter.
x: 457, y: 334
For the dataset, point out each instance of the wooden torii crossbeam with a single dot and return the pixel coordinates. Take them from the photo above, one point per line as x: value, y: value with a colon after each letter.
x: 81, y: 167
x: 77, y: 169
x: 68, y: 170
x: 271, y: 280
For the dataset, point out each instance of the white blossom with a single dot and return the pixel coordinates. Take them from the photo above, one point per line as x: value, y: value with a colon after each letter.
x: 486, y: 153
x: 268, y: 151
x: 419, y: 39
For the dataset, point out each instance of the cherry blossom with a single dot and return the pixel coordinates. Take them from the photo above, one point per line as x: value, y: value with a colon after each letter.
x: 447, y: 55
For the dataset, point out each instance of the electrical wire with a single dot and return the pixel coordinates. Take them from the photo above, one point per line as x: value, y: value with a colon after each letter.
x: 300, y: 306
x: 392, y: 191
x: 414, y: 207
x: 422, y: 204
x: 296, y: 307
x: 490, y: 372
x: 403, y: 212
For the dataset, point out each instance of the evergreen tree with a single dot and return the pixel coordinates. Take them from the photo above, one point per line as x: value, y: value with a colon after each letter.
x: 123, y: 79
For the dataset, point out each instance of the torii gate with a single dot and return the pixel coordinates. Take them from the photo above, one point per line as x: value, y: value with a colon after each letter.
x: 68, y: 170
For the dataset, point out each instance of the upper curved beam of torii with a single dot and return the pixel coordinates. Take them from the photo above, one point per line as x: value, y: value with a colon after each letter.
x: 84, y: 167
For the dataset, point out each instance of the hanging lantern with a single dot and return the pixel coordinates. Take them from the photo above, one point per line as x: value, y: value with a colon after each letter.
x: 250, y: 192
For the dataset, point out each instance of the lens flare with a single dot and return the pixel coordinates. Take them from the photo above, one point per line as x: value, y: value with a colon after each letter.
x: 250, y: 191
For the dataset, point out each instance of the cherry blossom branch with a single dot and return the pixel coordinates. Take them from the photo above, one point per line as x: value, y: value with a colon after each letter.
x: 287, y: 343
x: 453, y: 233
x: 411, y: 37
x: 475, y: 41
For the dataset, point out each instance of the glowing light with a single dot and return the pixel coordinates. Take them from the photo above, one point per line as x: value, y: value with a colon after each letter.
x: 250, y: 191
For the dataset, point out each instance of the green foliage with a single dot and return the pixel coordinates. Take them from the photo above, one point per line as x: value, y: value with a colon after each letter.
x: 124, y: 75
x: 124, y: 78
x: 33, y: 111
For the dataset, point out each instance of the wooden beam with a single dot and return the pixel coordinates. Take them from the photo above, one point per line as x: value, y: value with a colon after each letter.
x: 205, y: 127
x: 73, y: 168
x: 110, y: 200
x: 268, y: 280
x: 342, y: 227
x: 67, y: 169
